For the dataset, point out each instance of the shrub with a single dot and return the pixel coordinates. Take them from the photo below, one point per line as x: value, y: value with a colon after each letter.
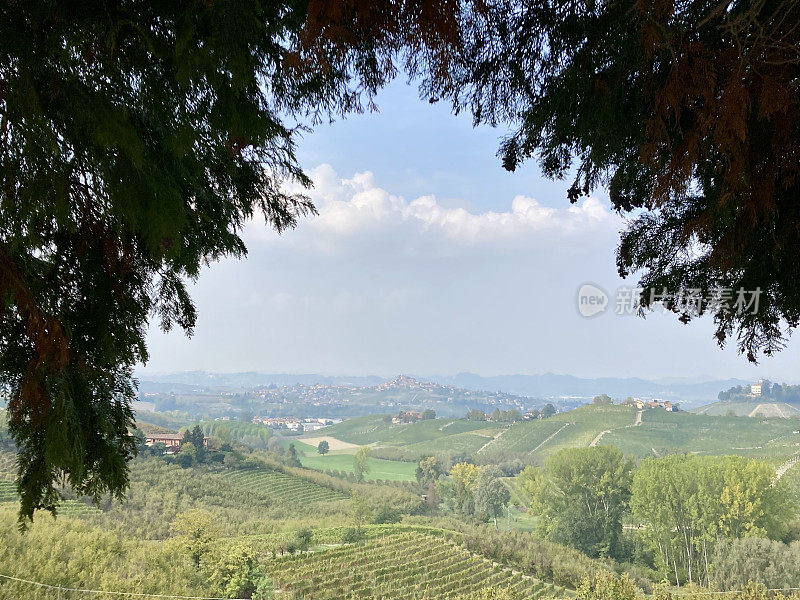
x: 353, y: 535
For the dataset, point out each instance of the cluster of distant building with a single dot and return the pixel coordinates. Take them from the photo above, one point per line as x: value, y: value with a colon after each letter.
x: 172, y: 441
x: 295, y: 424
x: 655, y: 403
x: 412, y: 416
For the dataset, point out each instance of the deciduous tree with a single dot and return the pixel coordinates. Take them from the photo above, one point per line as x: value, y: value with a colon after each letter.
x: 491, y: 495
x: 361, y: 463
x: 581, y: 495
x: 687, y: 503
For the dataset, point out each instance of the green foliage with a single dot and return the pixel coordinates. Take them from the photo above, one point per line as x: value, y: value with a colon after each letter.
x: 687, y: 503
x: 458, y: 490
x: 353, y: 535
x: 741, y: 561
x: 360, y: 464
x: 476, y: 415
x: 237, y: 574
x: 294, y: 461
x: 193, y: 533
x: 607, y: 586
x: 252, y: 434
x: 386, y: 515
x: 187, y: 455
x: 359, y: 509
x: 77, y: 553
x: 581, y: 495
x: 548, y: 411
x: 491, y: 495
x: 195, y: 437
x: 609, y: 96
x: 323, y: 447
x: 428, y: 470
x: 303, y: 539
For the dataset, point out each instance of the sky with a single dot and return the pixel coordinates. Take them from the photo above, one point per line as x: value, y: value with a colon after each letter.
x: 428, y: 258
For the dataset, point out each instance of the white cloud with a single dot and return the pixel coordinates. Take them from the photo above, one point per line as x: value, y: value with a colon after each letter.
x: 348, y: 207
x: 380, y: 284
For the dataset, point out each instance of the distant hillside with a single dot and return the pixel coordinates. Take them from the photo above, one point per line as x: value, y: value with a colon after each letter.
x: 651, y: 432
x: 688, y: 392
x: 193, y: 379
x: 756, y: 407
x: 763, y: 399
x: 319, y: 400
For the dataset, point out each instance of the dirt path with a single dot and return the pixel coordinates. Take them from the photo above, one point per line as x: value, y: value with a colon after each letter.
x: 565, y: 425
x: 491, y: 441
x: 600, y: 435
x: 781, y: 471
x: 333, y: 443
x: 773, y: 409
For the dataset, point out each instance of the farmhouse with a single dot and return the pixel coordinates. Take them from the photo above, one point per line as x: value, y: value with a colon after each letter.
x: 666, y: 405
x: 756, y: 389
x: 170, y: 440
x: 407, y: 416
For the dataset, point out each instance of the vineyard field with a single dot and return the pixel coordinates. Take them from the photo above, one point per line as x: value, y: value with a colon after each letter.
x: 67, y: 508
x: 281, y: 487
x: 8, y: 493
x: 524, y: 437
x: 8, y: 465
x: 405, y: 566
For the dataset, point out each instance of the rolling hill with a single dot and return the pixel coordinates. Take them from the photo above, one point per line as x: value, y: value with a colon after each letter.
x: 655, y: 432
x: 762, y: 407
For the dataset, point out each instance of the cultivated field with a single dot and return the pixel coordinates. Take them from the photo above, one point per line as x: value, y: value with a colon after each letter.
x: 333, y: 443
x: 281, y: 487
x: 398, y: 567
x: 659, y: 433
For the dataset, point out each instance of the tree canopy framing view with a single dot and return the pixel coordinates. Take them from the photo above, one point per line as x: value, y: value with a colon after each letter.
x: 137, y: 140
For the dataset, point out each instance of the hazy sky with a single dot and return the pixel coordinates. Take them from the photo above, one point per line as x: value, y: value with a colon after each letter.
x: 427, y: 257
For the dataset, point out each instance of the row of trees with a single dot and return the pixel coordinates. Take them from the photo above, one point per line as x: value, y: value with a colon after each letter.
x: 680, y: 506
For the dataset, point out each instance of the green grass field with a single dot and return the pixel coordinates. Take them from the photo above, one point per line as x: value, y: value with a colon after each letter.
x: 392, y: 470
x: 342, y: 460
x: 378, y: 431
